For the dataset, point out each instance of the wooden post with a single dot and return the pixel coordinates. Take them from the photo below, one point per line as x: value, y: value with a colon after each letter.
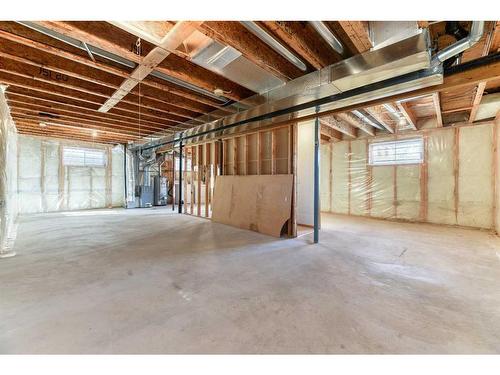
x: 456, y: 166
x: 207, y: 177
x: 199, y: 159
x: 273, y: 151
x: 424, y: 177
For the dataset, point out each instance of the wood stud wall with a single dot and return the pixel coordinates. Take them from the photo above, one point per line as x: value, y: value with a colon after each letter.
x: 264, y: 152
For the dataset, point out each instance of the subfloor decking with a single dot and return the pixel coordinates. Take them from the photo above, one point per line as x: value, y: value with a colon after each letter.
x: 151, y: 281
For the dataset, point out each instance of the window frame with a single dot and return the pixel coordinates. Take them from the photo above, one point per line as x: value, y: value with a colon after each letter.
x: 87, y: 161
x: 394, y: 161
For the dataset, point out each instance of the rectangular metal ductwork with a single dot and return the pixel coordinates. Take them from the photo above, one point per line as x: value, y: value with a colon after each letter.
x: 397, y: 68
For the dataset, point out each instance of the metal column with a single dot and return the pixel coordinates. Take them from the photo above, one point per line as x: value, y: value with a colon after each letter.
x: 316, y: 179
x: 180, y: 175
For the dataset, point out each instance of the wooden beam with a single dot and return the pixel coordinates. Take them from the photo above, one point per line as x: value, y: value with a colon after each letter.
x: 356, y: 122
x: 84, y: 119
x: 36, y: 117
x: 341, y: 126
x: 13, y: 97
x: 62, y: 61
x: 78, y: 93
x: 174, y: 65
x: 437, y: 109
x: 353, y: 34
x: 380, y: 114
x: 408, y: 114
x: 51, y: 99
x: 301, y: 37
x: 330, y: 132
x: 234, y: 34
x: 42, y: 75
x: 477, y: 101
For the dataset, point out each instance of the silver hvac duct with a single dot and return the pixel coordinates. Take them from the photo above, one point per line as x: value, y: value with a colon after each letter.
x: 328, y: 36
x: 476, y: 32
x: 274, y: 44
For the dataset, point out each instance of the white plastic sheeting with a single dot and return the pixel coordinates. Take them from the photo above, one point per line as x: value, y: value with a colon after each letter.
x: 46, y: 184
x: 8, y: 178
x: 454, y: 184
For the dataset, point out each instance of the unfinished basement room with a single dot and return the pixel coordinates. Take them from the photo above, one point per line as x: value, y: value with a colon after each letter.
x: 249, y: 187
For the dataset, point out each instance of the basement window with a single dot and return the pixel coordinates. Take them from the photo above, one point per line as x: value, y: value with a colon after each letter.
x: 83, y: 157
x: 407, y: 151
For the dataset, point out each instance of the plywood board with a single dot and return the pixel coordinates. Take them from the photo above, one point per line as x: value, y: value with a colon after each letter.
x: 258, y: 203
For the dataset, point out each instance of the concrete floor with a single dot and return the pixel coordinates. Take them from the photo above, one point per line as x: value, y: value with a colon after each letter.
x: 149, y: 281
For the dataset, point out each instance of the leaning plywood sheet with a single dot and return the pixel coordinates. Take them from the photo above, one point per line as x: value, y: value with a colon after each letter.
x: 259, y: 203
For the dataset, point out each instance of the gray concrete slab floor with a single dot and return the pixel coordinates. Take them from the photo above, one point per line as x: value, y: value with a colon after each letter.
x: 151, y: 281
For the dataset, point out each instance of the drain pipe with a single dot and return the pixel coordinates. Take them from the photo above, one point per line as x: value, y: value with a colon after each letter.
x: 476, y: 32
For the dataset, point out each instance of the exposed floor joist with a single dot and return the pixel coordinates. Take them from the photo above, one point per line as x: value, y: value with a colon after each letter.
x: 338, y: 125
x: 301, y: 37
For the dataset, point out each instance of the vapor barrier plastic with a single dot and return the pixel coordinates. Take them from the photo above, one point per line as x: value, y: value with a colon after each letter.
x: 47, y: 184
x: 8, y: 180
x: 453, y: 185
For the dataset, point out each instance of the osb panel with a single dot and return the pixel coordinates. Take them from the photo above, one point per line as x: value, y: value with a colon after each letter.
x: 258, y: 203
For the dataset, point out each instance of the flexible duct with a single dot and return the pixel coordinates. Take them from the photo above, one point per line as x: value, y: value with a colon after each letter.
x: 476, y: 32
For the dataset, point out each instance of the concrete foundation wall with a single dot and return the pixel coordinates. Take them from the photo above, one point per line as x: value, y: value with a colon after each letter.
x: 454, y: 185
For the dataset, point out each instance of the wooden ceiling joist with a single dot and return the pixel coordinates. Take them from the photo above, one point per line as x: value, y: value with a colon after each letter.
x: 80, y: 94
x: 98, y: 92
x: 356, y: 122
x: 44, y: 105
x: 330, y: 132
x: 44, y: 97
x: 60, y: 59
x: 338, y: 125
x: 84, y: 135
x: 234, y: 34
x: 353, y: 34
x: 382, y: 117
x: 477, y: 101
x: 15, y: 105
x: 174, y: 65
x: 437, y: 109
x: 301, y: 37
x: 407, y: 112
x: 66, y: 120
